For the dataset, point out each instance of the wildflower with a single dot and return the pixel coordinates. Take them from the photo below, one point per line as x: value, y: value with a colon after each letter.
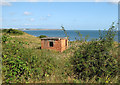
x: 106, y: 81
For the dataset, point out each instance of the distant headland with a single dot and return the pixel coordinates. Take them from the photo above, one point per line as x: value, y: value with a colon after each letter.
x: 42, y: 29
x: 29, y: 29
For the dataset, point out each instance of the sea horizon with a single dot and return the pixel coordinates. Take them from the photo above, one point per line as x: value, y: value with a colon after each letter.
x: 93, y: 34
x: 54, y: 29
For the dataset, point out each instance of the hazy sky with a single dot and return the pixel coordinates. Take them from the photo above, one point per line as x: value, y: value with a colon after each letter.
x: 51, y: 15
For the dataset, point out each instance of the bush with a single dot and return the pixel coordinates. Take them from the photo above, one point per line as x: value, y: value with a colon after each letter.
x: 14, y: 65
x: 5, y: 38
x: 42, y: 36
x: 12, y: 31
x: 81, y: 39
x: 4, y: 30
x: 94, y: 59
x: 21, y: 64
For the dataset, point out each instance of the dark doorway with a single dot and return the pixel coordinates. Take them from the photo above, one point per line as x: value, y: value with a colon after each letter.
x: 65, y: 42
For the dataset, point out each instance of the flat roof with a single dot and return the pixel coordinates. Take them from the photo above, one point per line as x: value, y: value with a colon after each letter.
x: 53, y: 38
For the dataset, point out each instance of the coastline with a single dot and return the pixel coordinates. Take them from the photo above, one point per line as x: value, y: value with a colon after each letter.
x: 40, y: 29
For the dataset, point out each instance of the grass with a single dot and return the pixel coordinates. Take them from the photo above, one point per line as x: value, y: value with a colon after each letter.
x: 30, y: 46
x: 31, y: 41
x: 55, y: 67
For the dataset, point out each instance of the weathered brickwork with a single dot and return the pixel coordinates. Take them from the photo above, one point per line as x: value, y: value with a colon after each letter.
x: 58, y: 44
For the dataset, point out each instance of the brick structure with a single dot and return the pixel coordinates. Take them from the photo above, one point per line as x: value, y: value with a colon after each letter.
x: 54, y: 43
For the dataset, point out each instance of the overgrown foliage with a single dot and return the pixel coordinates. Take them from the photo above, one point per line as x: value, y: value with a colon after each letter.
x: 83, y: 62
x: 95, y: 59
x: 21, y: 64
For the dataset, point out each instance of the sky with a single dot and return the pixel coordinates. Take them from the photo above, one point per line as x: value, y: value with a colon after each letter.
x: 51, y: 15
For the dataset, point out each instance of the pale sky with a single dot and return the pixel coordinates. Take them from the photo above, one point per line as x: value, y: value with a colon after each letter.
x: 51, y: 15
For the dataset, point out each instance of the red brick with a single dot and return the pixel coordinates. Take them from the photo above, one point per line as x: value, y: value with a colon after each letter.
x: 58, y: 45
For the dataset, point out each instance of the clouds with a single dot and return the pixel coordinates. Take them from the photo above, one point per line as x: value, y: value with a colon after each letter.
x: 33, y: 0
x: 112, y: 1
x: 51, y: 0
x: 48, y: 15
x: 32, y: 19
x: 45, y: 17
x: 14, y: 20
x: 27, y: 13
x: 9, y: 2
x: 5, y: 4
x: 60, y: 0
x: 109, y: 1
x: 26, y: 24
x: 42, y: 18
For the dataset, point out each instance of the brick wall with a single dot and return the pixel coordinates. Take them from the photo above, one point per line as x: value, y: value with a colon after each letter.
x: 58, y: 45
x: 64, y: 44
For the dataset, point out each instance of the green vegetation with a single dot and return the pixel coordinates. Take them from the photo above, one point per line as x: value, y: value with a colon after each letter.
x: 20, y: 64
x: 23, y: 61
x: 5, y: 38
x: 95, y: 59
x: 65, y: 32
x: 81, y: 38
x: 42, y: 36
x: 12, y: 31
x: 83, y: 62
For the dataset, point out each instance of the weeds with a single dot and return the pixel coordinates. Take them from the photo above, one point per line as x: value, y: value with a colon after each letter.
x: 95, y: 60
x: 83, y: 62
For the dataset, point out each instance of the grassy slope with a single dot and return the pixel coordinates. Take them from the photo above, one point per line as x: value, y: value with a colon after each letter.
x: 35, y: 43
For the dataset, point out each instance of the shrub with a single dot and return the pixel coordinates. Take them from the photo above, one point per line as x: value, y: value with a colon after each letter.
x: 21, y: 64
x: 4, y: 30
x: 0, y: 30
x: 81, y: 39
x: 5, y: 38
x: 95, y: 59
x: 42, y: 66
x: 12, y: 31
x: 14, y: 65
x: 42, y: 36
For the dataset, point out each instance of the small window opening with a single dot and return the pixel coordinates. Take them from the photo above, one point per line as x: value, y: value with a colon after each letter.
x: 51, y: 44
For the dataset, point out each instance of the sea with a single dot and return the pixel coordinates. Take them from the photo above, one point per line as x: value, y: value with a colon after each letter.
x: 73, y: 35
